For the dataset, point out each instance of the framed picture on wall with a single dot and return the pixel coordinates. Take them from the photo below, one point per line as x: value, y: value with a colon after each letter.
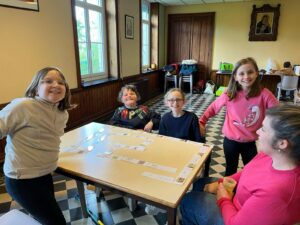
x: 264, y: 23
x: 21, y: 4
x: 129, y: 27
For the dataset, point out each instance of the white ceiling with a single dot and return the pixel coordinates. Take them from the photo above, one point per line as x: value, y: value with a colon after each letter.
x: 191, y: 2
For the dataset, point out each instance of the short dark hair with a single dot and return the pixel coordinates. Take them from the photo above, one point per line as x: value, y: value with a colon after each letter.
x: 31, y: 91
x: 234, y: 86
x: 130, y: 87
x: 286, y: 125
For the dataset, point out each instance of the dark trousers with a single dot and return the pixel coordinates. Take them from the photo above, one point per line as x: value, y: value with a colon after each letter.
x: 36, y: 196
x: 232, y: 151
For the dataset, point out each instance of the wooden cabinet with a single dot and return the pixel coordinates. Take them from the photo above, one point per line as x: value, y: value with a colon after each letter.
x: 2, y: 146
x: 267, y: 81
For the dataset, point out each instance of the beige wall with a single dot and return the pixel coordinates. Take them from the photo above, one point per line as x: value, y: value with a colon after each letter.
x: 161, y: 39
x: 232, y: 25
x: 33, y: 40
x: 129, y: 48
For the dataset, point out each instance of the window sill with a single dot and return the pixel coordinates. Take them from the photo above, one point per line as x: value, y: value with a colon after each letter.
x: 96, y: 82
x: 150, y: 71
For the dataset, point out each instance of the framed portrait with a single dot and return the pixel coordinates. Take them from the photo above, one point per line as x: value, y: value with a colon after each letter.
x: 21, y: 4
x: 129, y: 27
x: 264, y: 23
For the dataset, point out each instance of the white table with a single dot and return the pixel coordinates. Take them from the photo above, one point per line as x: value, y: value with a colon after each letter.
x: 140, y: 165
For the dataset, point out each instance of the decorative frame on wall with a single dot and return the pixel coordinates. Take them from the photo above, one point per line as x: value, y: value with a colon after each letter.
x: 264, y: 23
x: 21, y: 4
x: 129, y: 27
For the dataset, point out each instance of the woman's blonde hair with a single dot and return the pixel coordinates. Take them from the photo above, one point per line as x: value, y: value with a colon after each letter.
x: 234, y: 86
x: 32, y: 89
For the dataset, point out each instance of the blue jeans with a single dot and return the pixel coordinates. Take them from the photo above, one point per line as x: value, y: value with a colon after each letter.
x: 200, y: 208
x: 36, y: 195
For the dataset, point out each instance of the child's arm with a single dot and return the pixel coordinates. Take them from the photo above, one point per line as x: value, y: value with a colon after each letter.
x: 12, y: 118
x: 148, y: 127
x: 196, y: 130
x: 270, y: 99
x: 211, y: 111
x: 116, y: 117
x: 154, y: 118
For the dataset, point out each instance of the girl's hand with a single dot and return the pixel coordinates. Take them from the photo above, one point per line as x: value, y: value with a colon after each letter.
x: 202, y: 130
x: 148, y: 126
x: 223, y: 193
x: 211, y: 188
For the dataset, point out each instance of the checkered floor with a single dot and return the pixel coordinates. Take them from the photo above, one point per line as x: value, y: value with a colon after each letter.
x: 111, y: 208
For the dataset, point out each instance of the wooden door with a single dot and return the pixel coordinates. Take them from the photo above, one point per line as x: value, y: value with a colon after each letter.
x: 190, y: 36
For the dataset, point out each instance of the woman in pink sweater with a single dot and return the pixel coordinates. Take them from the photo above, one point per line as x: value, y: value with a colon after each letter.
x: 246, y: 103
x: 268, y: 188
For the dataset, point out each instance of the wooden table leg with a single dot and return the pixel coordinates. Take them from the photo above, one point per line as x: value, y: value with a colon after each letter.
x: 80, y: 188
x: 172, y: 216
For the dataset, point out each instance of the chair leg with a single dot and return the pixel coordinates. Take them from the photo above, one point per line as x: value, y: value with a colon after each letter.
x: 191, y: 84
x: 175, y: 81
x: 180, y: 81
x: 279, y: 93
x: 165, y: 88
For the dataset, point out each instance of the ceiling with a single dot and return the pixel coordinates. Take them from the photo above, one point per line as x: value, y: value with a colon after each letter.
x: 191, y: 2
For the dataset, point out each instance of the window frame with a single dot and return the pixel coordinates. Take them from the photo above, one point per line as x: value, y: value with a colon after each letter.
x: 82, y: 79
x: 148, y: 22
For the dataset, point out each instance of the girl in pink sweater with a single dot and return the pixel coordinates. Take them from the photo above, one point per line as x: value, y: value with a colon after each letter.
x: 246, y: 103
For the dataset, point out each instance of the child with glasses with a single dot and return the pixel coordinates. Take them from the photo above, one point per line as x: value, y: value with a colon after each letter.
x: 33, y: 126
x: 131, y: 115
x: 178, y: 123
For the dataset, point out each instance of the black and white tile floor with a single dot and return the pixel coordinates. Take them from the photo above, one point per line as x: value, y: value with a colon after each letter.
x: 111, y: 208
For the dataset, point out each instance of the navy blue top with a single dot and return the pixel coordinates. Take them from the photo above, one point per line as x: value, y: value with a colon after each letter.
x: 184, y: 127
x: 136, y: 118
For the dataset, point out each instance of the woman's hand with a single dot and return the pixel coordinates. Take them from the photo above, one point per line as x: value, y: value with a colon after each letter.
x: 211, y: 188
x: 223, y: 193
x: 148, y: 126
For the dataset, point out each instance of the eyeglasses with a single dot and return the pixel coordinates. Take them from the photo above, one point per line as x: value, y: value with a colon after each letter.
x: 50, y: 81
x: 175, y: 100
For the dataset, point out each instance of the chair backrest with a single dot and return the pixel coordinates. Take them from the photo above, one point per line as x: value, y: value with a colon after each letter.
x: 289, y: 82
x: 187, y: 69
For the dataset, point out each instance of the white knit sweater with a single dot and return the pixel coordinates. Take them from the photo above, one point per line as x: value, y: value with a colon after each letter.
x: 33, y: 128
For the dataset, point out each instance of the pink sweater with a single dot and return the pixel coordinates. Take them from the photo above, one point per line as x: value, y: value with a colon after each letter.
x: 264, y: 196
x: 243, y: 116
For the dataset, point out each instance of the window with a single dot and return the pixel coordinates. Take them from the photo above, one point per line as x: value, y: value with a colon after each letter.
x: 91, y: 38
x: 145, y: 35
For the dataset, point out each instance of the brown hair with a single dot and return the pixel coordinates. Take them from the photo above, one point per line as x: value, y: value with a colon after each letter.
x: 286, y: 124
x: 234, y: 86
x: 130, y: 87
x: 31, y: 91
